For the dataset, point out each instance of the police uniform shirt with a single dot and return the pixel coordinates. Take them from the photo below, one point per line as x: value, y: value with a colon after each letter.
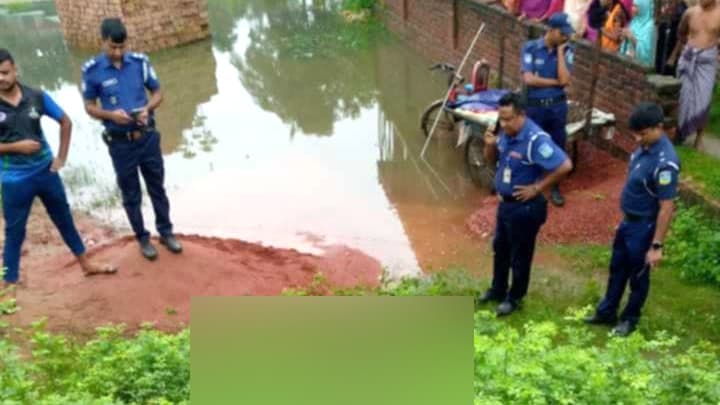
x: 538, y: 59
x: 23, y: 123
x: 653, y: 177
x: 122, y: 88
x: 524, y: 159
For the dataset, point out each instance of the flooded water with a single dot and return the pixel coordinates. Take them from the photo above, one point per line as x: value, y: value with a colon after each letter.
x: 289, y: 128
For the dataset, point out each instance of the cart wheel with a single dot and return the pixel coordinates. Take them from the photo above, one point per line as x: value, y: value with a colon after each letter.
x: 482, y: 174
x: 446, y: 122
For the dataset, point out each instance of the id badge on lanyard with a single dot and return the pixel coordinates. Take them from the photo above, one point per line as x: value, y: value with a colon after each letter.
x: 507, y: 174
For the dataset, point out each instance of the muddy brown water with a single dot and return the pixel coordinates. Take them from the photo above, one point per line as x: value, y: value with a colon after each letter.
x: 289, y: 128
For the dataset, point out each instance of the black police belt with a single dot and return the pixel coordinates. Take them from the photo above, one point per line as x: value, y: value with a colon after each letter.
x: 513, y: 199
x: 126, y: 136
x: 639, y: 218
x: 546, y: 102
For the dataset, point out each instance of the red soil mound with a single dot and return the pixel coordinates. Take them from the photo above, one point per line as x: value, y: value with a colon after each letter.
x: 160, y: 291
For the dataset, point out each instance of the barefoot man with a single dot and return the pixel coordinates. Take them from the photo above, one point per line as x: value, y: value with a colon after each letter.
x: 696, y: 54
x: 28, y: 170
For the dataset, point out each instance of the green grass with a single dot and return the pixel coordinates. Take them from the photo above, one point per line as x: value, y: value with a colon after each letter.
x: 684, y: 306
x: 714, y: 123
x: 701, y: 169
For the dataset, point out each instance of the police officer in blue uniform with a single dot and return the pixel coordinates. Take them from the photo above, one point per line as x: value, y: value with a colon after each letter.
x: 528, y: 164
x: 647, y: 205
x: 120, y: 80
x: 28, y: 169
x: 546, y: 67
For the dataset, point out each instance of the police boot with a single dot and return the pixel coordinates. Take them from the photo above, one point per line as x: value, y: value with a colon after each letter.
x: 489, y: 296
x: 148, y: 250
x: 624, y: 328
x: 597, y: 319
x: 507, y: 307
x: 171, y: 243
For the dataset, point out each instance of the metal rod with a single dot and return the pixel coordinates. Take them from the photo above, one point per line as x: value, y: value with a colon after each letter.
x: 593, y: 83
x: 452, y: 84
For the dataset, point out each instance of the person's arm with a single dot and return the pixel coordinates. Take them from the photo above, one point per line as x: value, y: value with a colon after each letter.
x: 533, y: 80
x: 564, y: 64
x: 490, y: 151
x: 156, y: 94
x: 53, y: 110
x: 65, y: 133
x: 551, y: 158
x: 667, y: 185
x: 26, y: 147
x: 682, y: 37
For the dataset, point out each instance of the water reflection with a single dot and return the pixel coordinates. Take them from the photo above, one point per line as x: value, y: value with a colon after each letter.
x: 289, y: 125
x: 295, y: 66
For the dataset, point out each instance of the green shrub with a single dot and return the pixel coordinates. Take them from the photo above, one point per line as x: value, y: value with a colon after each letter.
x: 693, y: 246
x: 530, y: 366
x: 150, y: 368
x: 539, y: 363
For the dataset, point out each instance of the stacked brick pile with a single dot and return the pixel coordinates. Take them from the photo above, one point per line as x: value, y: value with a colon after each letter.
x: 152, y: 24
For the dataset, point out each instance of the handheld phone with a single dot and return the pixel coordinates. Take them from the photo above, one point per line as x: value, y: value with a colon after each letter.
x: 496, y: 129
x: 135, y: 114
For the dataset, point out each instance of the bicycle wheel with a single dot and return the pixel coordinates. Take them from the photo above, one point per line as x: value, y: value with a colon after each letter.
x: 446, y: 123
x: 480, y: 172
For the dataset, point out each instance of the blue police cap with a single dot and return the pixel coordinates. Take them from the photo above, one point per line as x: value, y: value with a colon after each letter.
x: 645, y: 115
x: 561, y: 21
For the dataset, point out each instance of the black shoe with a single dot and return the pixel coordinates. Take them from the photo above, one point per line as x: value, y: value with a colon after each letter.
x: 506, y: 308
x: 624, y: 329
x: 171, y: 243
x: 556, y: 198
x: 148, y: 250
x: 489, y: 296
x: 600, y: 320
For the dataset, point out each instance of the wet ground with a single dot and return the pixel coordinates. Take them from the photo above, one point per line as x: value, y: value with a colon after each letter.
x: 287, y: 127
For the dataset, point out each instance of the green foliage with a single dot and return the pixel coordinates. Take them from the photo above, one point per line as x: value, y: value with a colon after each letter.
x: 693, y: 246
x: 701, y: 169
x: 359, y: 5
x: 548, y: 362
x: 530, y: 366
x: 150, y: 368
x: 714, y: 122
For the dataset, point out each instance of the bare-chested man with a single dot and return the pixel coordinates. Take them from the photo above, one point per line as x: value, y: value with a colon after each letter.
x: 696, y: 54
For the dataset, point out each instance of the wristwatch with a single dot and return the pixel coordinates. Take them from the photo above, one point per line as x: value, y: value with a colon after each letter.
x: 657, y: 245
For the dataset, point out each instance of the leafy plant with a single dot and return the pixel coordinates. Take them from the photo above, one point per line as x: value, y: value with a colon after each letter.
x: 693, y: 246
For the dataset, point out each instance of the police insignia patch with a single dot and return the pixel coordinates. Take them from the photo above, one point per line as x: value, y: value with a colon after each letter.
x: 665, y: 177
x: 546, y: 150
x: 33, y: 114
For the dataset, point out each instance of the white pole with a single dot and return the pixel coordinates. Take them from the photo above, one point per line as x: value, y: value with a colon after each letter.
x: 447, y: 95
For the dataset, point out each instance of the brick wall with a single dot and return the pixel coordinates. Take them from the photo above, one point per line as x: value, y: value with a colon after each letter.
x: 442, y: 30
x: 151, y: 24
